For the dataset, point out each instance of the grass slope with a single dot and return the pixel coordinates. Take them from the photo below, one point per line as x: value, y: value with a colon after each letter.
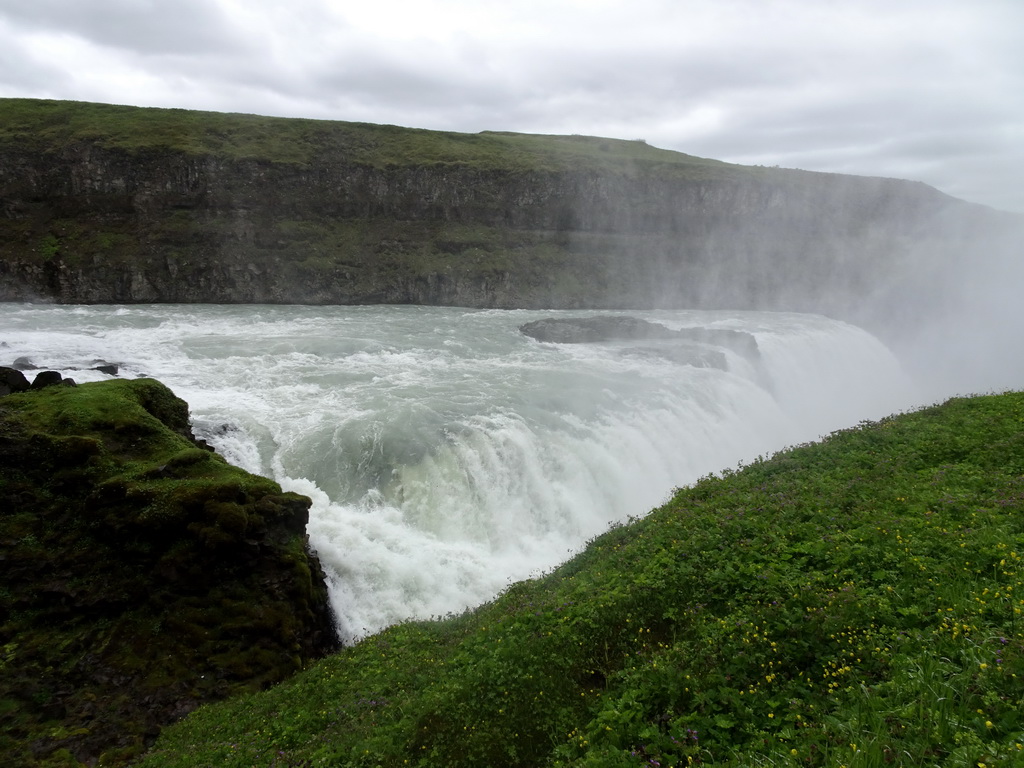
x: 851, y: 603
x: 52, y: 126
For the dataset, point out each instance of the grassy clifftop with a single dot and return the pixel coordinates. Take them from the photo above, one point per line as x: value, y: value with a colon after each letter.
x: 141, y: 574
x: 51, y: 126
x: 851, y: 603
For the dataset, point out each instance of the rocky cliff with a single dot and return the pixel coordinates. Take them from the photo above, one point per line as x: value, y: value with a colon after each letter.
x: 141, y: 574
x: 116, y: 204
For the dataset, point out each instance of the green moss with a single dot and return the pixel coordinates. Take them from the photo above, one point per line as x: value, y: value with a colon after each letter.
x: 142, y: 573
x: 49, y: 247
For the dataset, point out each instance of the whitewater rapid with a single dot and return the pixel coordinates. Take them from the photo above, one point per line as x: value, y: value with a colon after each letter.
x: 447, y: 454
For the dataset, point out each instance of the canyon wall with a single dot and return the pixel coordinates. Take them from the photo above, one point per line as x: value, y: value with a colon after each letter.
x: 121, y: 205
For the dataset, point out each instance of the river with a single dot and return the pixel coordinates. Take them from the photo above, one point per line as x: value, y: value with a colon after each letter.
x: 446, y: 453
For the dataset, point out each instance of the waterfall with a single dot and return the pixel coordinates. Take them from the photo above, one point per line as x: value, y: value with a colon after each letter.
x: 446, y: 453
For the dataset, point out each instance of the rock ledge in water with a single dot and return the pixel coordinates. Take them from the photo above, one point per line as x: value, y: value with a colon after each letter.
x: 584, y: 330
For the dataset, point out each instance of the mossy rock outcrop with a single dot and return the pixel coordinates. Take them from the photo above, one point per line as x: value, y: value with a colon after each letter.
x: 142, y: 575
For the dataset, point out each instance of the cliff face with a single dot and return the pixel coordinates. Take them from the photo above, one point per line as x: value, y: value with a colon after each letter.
x: 241, y: 209
x: 142, y: 575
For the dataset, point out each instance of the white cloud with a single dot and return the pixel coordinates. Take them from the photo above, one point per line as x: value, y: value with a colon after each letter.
x: 927, y: 89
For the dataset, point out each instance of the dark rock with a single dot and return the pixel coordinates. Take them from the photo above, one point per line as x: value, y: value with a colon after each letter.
x: 12, y: 380
x: 602, y: 328
x: 24, y: 364
x: 47, y: 379
x: 142, y: 576
x: 582, y: 330
x: 103, y: 366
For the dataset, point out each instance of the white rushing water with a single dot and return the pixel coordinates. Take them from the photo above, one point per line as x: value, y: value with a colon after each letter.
x: 446, y: 453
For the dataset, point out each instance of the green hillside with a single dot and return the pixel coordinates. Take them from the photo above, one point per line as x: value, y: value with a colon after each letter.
x: 51, y: 126
x: 849, y: 603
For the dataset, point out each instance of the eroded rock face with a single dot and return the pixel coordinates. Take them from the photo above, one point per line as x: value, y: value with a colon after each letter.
x: 95, y: 223
x: 142, y: 574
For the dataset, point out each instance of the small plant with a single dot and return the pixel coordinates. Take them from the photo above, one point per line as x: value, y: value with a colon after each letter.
x: 49, y: 247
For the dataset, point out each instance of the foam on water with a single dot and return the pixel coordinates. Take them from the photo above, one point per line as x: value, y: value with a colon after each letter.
x: 446, y: 453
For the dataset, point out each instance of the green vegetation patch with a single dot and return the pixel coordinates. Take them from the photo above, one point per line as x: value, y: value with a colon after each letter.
x: 52, y: 126
x: 851, y: 603
x: 142, y: 574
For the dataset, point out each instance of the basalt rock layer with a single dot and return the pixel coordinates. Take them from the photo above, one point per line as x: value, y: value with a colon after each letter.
x: 141, y: 574
x: 102, y: 204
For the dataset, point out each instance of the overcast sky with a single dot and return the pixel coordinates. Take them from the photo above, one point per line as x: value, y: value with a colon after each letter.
x: 931, y: 90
